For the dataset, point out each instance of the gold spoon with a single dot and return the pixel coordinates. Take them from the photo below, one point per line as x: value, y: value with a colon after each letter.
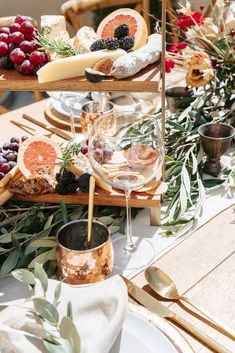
x: 166, y: 288
x: 90, y: 209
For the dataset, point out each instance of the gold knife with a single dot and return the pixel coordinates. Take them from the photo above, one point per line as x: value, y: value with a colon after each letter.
x: 142, y: 297
x: 52, y: 129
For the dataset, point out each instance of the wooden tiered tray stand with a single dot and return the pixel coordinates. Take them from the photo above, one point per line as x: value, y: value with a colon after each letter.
x: 145, y: 81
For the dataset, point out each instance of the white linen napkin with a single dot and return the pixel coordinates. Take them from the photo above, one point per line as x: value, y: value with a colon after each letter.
x: 99, y: 311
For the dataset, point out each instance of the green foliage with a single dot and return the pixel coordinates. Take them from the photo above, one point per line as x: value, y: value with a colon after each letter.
x: 22, y: 245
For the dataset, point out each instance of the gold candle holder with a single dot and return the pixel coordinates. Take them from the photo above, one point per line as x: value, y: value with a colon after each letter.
x: 92, y: 111
x: 76, y: 263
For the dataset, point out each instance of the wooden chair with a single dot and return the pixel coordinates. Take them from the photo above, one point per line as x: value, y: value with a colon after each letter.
x: 73, y: 8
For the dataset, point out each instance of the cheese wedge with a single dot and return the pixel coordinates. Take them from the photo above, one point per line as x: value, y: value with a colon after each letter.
x: 74, y: 66
x: 84, y: 38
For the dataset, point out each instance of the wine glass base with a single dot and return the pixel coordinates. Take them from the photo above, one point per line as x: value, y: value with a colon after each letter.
x: 134, y: 260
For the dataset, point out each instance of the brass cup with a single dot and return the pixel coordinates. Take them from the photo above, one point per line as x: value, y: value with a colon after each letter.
x: 76, y: 263
x: 177, y: 94
x: 215, y: 140
x: 91, y: 112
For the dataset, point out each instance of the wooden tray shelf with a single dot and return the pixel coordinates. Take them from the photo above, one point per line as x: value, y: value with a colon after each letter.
x: 146, y: 80
x: 104, y: 198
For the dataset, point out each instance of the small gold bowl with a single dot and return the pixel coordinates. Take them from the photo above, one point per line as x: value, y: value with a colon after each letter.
x: 76, y: 263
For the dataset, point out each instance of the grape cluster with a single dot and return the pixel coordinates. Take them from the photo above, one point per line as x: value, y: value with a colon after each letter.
x: 18, y: 49
x: 8, y: 155
x: 101, y: 153
x: 121, y: 39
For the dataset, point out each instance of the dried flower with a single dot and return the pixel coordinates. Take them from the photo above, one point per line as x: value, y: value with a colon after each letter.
x: 169, y: 65
x: 187, y: 21
x: 175, y: 48
x: 200, y: 70
x: 208, y: 29
x: 220, y: 4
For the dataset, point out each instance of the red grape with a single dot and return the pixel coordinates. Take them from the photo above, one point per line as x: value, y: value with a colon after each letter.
x: 5, y: 38
x: 31, y: 36
x: 12, y: 164
x: 26, y: 68
x: 4, y: 167
x: 35, y: 46
x: 14, y: 146
x: 27, y: 47
x: 5, y: 30
x: 11, y: 156
x: 37, y: 57
x: 6, y: 146
x: 98, y: 154
x: 23, y: 138
x: 5, y: 62
x: 26, y: 27
x: 14, y: 139
x: 107, y: 153
x: 1, y: 175
x: 17, y: 56
x: 11, y: 47
x: 3, y: 49
x: 20, y: 19
x: 84, y: 150
x: 17, y: 37
x: 15, y: 27
x: 3, y: 160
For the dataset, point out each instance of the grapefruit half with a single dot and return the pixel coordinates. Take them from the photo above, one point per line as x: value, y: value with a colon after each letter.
x: 137, y: 26
x: 38, y: 153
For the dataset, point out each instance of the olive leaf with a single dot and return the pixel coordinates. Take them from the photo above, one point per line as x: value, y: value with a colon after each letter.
x: 42, y: 258
x: 57, y: 294
x: 46, y: 310
x: 70, y: 310
x: 43, y: 243
x: 10, y: 263
x: 41, y: 275
x: 106, y: 220
x: 114, y: 229
x: 64, y: 347
x: 69, y: 331
x: 64, y: 211
x: 24, y: 276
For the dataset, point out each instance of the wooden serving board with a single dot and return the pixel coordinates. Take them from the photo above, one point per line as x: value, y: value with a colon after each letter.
x: 145, y: 81
x: 104, y: 198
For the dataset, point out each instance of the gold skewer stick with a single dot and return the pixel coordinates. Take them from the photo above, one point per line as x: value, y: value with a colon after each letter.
x: 52, y: 129
x: 30, y: 131
x: 90, y: 209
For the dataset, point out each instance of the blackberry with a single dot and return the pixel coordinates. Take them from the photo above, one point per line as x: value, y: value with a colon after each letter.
x: 83, y: 182
x: 67, y: 183
x: 126, y: 43
x: 121, y: 31
x: 111, y: 44
x: 61, y: 189
x: 98, y: 45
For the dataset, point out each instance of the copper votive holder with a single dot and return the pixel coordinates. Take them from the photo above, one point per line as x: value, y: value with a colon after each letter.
x: 78, y: 264
x: 215, y: 141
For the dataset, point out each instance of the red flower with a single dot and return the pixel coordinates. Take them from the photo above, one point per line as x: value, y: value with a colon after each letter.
x: 169, y: 65
x: 186, y: 21
x: 175, y: 48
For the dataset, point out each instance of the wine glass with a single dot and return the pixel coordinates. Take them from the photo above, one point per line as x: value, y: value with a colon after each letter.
x: 70, y: 99
x: 126, y: 151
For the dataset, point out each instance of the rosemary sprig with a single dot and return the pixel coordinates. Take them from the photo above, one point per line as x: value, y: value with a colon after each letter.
x: 68, y: 153
x: 60, y: 47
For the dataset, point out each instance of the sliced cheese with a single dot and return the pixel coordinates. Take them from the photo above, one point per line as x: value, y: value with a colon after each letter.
x: 84, y: 38
x: 74, y: 66
x: 51, y: 25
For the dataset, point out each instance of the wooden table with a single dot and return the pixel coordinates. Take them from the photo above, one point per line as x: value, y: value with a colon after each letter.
x: 203, y: 265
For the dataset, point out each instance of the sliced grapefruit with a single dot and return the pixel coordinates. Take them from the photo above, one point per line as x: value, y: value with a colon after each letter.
x: 37, y: 154
x: 137, y: 25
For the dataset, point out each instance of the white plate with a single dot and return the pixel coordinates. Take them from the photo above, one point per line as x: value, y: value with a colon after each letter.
x: 62, y: 108
x: 144, y: 332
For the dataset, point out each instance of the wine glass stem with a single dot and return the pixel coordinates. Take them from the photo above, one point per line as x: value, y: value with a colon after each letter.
x: 72, y: 103
x: 129, y: 247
